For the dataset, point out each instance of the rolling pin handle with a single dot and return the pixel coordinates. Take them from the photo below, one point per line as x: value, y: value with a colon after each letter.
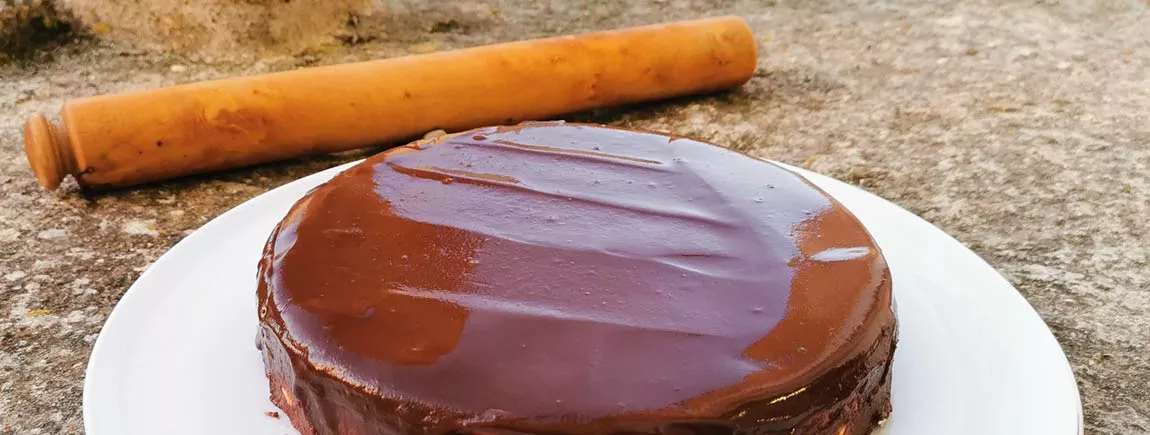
x: 49, y: 151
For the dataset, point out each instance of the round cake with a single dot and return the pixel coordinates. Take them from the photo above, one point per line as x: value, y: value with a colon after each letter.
x: 555, y: 278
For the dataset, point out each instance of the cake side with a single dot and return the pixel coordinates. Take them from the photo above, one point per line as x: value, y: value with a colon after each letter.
x: 318, y: 403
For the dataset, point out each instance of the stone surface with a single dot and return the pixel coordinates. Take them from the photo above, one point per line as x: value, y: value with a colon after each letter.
x: 1019, y: 127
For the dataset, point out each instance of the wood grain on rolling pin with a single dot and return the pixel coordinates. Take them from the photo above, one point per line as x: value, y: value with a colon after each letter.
x: 125, y: 139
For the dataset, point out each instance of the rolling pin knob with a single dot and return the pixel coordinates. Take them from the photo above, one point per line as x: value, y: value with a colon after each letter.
x: 49, y: 151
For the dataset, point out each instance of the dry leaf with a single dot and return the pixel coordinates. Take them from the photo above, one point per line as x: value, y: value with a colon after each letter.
x: 425, y: 47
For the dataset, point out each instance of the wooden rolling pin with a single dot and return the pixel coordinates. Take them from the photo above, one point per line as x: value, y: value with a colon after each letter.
x: 131, y: 138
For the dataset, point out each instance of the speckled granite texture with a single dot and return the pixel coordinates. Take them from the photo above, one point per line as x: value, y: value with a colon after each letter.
x: 1020, y: 127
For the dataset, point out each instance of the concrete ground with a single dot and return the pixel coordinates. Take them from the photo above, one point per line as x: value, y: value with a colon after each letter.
x: 1020, y: 127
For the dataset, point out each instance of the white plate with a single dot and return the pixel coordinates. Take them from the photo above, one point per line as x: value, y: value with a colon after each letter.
x: 178, y: 356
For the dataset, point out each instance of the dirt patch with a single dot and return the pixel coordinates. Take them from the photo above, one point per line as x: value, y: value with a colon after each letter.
x: 27, y: 27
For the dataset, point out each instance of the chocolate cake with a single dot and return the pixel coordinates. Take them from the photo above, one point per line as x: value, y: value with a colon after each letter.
x: 554, y: 278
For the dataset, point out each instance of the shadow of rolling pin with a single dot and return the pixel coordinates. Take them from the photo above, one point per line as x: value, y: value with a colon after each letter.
x: 126, y: 139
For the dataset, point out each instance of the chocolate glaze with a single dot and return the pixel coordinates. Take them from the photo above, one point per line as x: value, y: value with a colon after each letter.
x: 559, y: 278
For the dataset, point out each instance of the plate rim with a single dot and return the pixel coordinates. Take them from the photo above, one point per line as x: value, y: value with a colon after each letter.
x: 1022, y: 304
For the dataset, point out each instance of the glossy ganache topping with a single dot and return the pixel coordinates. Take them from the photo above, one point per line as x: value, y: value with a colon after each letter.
x: 558, y: 272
